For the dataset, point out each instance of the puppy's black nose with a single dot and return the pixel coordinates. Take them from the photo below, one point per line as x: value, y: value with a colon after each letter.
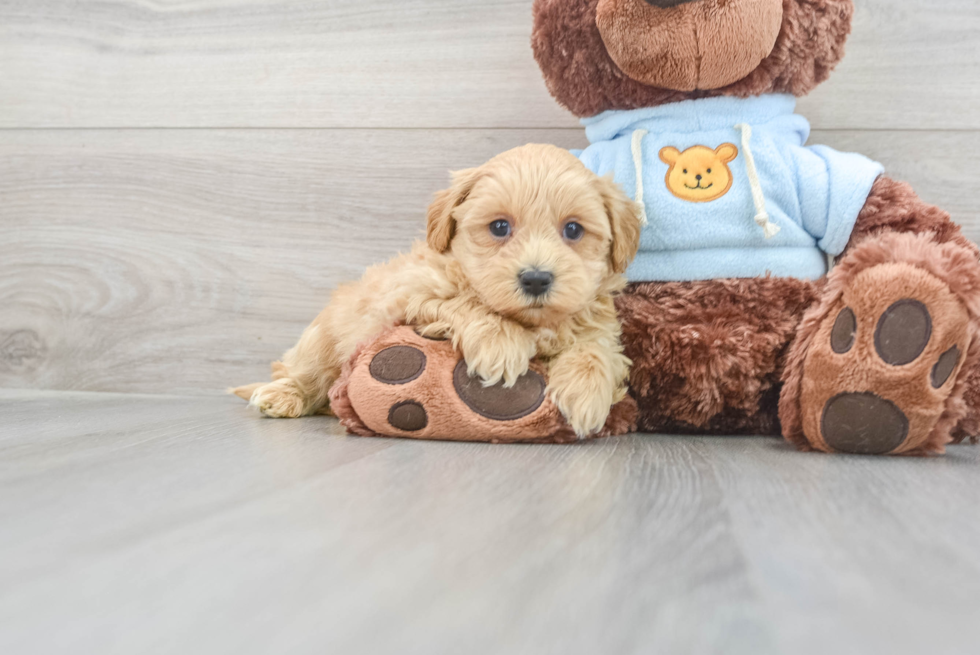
x: 536, y: 283
x: 667, y: 3
x: 697, y: 177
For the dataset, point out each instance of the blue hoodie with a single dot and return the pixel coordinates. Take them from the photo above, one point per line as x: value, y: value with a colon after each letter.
x: 729, y: 189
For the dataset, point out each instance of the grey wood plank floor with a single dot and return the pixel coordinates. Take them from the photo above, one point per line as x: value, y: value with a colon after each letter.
x: 170, y: 524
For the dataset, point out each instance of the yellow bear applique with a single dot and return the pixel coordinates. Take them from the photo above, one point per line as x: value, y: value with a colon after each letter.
x: 699, y: 174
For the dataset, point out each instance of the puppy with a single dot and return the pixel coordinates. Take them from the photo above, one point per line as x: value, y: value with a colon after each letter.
x: 522, y: 258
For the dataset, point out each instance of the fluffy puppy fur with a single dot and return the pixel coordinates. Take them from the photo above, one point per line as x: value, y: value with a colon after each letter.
x: 464, y: 284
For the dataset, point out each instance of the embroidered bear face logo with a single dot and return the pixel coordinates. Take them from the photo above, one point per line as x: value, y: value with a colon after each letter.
x: 699, y: 174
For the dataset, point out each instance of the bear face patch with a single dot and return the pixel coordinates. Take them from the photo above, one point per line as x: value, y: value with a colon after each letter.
x: 699, y: 174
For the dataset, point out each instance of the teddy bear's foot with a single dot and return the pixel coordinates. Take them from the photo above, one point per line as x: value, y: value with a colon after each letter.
x: 883, y: 363
x: 404, y: 385
x: 882, y: 354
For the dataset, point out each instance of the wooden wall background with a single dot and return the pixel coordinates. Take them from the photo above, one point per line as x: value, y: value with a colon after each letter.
x: 182, y: 182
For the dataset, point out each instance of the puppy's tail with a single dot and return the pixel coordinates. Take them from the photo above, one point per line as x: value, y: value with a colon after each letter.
x: 246, y: 391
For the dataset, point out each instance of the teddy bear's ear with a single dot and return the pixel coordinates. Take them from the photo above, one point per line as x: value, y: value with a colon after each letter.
x: 441, y: 226
x: 670, y: 155
x: 624, y: 220
x: 727, y: 152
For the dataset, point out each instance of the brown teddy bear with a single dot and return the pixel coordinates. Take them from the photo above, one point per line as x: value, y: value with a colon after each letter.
x: 739, y: 332
x: 732, y: 320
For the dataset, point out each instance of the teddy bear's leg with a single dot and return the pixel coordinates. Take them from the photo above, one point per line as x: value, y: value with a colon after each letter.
x: 885, y: 362
x: 707, y: 356
x: 401, y: 384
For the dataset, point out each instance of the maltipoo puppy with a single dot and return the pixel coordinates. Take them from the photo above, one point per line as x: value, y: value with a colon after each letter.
x: 522, y: 258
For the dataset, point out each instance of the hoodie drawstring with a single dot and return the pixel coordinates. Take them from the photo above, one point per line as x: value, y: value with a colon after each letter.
x: 637, y: 149
x: 761, y: 215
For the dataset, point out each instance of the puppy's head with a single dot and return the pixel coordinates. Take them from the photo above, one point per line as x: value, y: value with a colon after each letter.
x: 537, y: 235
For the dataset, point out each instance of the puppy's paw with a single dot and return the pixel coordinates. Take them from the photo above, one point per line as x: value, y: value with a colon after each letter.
x: 583, y: 402
x: 585, y: 383
x: 279, y: 399
x: 586, y: 413
x: 498, y: 353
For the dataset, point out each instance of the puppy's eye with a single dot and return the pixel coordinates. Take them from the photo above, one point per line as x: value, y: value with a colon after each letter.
x: 709, y: 171
x: 573, y: 231
x: 685, y: 171
x: 500, y: 229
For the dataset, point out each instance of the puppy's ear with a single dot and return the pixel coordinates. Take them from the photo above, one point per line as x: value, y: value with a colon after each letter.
x: 624, y: 219
x: 441, y: 226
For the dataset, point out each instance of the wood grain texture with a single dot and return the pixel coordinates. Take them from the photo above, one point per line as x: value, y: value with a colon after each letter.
x: 162, y: 261
x: 137, y: 524
x: 417, y: 63
x: 156, y: 261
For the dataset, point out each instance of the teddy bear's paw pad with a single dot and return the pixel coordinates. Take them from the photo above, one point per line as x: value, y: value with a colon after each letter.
x: 498, y: 402
x: 845, y: 330
x: 943, y: 370
x: 863, y: 424
x: 903, y: 332
x: 398, y: 365
x: 409, y: 416
x: 877, y: 378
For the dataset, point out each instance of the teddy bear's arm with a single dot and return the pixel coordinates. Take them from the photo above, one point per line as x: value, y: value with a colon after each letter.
x: 895, y: 207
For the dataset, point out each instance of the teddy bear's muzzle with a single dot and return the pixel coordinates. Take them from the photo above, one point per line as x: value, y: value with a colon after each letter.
x: 689, y: 45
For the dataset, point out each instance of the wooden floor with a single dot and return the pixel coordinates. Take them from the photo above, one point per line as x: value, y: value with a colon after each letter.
x: 168, y: 524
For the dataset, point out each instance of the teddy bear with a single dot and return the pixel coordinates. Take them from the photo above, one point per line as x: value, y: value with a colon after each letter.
x: 780, y: 288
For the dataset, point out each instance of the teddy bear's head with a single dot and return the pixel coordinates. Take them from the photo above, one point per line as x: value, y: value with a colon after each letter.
x: 626, y: 54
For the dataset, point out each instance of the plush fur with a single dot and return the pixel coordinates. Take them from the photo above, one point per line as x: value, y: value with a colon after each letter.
x: 463, y: 285
x: 895, y: 207
x: 968, y: 429
x: 707, y: 356
x: 583, y: 77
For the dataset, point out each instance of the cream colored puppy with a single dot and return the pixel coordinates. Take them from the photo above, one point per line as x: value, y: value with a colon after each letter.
x: 522, y: 258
